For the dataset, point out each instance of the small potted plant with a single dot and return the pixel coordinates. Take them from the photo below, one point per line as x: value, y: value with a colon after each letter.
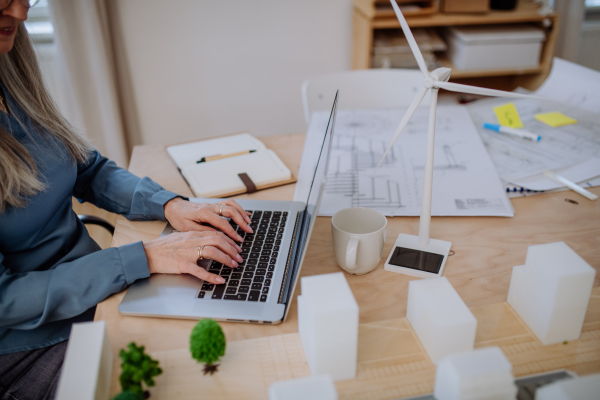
x: 136, y: 367
x: 207, y: 344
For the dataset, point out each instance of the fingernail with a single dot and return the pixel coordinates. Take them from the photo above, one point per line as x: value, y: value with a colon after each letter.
x: 251, y: 230
x: 220, y: 279
x: 239, y: 238
x: 239, y: 258
x: 239, y: 249
x: 234, y: 264
x: 248, y: 219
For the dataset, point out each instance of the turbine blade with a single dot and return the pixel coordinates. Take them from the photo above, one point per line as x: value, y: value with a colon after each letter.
x: 457, y: 87
x: 409, y: 113
x: 411, y: 39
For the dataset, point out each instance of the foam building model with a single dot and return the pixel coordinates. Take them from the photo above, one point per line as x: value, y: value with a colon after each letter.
x: 480, y: 374
x: 328, y: 325
x: 87, y: 367
x: 581, y: 388
x: 441, y: 320
x: 316, y: 387
x: 551, y: 292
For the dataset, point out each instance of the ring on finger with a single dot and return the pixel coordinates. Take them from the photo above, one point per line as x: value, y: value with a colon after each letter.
x: 200, y: 250
x: 221, y: 210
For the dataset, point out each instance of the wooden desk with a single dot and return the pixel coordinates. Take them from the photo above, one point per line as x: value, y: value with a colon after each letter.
x: 486, y: 249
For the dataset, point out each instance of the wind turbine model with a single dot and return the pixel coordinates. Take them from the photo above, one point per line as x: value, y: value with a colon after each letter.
x: 419, y: 255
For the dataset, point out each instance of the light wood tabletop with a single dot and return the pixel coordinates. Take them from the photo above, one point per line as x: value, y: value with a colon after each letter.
x: 485, y: 250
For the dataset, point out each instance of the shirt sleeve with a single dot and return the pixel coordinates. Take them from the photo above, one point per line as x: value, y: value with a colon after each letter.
x: 102, y: 183
x: 31, y: 299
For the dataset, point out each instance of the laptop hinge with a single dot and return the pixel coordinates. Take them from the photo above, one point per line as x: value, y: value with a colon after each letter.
x: 288, y: 263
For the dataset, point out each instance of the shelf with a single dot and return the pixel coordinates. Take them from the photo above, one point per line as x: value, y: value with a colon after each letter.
x: 386, y: 19
x: 462, y: 74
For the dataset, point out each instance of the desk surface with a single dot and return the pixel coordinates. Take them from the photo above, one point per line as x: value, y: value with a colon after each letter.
x: 486, y: 249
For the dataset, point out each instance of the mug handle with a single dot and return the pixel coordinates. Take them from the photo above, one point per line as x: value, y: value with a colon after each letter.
x: 351, y: 253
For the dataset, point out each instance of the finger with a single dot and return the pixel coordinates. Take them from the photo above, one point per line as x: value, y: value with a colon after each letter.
x: 214, y: 233
x: 224, y: 246
x: 233, y: 213
x: 203, y: 274
x: 219, y: 223
x: 217, y: 255
x: 193, y: 226
x: 242, y: 212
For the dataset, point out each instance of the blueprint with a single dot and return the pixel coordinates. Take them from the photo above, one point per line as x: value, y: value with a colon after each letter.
x: 465, y: 182
x: 516, y: 158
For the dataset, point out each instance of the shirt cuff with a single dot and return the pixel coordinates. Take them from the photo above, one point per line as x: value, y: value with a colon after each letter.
x: 156, y: 204
x: 134, y: 262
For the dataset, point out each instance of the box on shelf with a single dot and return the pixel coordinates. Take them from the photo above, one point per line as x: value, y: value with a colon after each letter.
x: 465, y: 6
x: 495, y: 47
x: 391, y: 49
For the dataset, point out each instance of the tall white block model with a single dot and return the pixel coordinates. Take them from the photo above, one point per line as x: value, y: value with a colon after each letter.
x: 482, y: 374
x: 87, y: 368
x: 328, y: 325
x: 580, y: 388
x: 442, y: 321
x: 551, y: 291
x: 316, y: 387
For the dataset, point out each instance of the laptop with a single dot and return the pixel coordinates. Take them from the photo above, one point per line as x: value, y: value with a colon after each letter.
x: 260, y: 289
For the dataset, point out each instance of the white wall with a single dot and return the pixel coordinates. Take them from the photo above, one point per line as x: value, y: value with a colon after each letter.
x: 212, y: 67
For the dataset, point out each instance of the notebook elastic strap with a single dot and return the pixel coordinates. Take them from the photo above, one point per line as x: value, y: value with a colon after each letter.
x: 250, y: 186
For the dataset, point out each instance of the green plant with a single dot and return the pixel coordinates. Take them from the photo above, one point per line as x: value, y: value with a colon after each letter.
x: 137, y: 367
x: 207, y: 344
x: 129, y: 395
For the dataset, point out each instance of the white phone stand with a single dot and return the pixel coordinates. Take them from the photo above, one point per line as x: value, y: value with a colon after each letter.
x: 409, y: 257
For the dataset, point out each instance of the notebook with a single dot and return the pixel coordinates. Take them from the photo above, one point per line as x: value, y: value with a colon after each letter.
x: 224, y: 177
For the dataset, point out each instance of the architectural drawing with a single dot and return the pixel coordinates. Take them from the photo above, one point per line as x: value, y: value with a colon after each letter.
x: 465, y: 181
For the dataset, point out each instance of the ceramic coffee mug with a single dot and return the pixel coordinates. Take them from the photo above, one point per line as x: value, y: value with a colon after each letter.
x: 358, y: 238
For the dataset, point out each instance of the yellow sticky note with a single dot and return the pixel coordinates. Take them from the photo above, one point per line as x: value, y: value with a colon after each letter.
x: 508, y: 115
x: 555, y: 119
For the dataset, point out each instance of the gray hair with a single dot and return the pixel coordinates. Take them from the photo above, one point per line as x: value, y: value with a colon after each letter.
x: 20, y: 74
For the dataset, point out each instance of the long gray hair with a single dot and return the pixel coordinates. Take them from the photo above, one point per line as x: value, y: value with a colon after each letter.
x: 21, y: 76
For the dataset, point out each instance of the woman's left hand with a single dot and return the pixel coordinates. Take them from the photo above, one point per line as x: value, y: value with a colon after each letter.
x: 186, y: 216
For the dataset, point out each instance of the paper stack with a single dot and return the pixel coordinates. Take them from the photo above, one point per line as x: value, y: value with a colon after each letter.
x: 479, y: 374
x: 551, y: 291
x: 441, y: 320
x: 581, y: 388
x: 391, y: 49
x: 328, y: 325
x: 317, y: 387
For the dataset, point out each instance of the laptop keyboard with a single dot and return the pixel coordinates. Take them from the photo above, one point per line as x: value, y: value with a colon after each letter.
x: 251, y: 281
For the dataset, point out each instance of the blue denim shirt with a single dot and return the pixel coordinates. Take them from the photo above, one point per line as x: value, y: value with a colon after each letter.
x: 52, y: 273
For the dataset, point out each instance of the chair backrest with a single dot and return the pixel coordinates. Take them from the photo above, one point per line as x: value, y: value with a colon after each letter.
x: 369, y: 88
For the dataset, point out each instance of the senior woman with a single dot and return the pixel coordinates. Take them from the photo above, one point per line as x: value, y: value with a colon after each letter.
x: 52, y: 273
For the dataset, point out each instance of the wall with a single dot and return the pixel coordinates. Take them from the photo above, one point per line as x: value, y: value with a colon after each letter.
x: 207, y: 67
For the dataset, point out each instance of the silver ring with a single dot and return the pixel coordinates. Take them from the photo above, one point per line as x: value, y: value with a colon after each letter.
x: 221, y: 210
x: 200, y: 249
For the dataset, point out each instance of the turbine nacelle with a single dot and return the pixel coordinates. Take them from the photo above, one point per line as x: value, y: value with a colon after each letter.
x: 441, y: 74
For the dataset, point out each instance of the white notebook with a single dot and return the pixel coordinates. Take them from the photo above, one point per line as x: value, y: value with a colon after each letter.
x: 220, y: 177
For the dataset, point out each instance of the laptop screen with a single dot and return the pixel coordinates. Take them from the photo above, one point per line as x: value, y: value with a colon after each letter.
x: 313, y: 201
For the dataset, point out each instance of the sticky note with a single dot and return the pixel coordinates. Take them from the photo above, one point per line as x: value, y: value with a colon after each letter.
x: 555, y: 119
x: 508, y: 115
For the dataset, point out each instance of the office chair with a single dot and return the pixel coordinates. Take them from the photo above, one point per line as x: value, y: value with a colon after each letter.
x: 362, y: 89
x: 92, y: 220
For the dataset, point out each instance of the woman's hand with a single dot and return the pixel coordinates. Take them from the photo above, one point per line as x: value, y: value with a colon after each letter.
x: 177, y: 253
x: 186, y: 216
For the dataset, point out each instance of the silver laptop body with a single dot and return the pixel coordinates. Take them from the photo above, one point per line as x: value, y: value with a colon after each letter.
x: 264, y: 291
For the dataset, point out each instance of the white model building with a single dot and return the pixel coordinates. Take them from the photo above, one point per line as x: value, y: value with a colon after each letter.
x: 316, y: 387
x: 580, y: 388
x: 328, y: 325
x: 551, y: 292
x: 441, y: 320
x: 482, y: 374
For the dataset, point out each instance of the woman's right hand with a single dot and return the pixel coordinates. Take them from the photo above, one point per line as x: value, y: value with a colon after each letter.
x: 177, y: 253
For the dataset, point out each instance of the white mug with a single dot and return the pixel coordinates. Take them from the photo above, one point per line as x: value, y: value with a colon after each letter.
x: 358, y: 238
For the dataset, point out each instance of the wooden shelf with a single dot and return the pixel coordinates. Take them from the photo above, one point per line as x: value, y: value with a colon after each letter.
x: 384, y: 19
x: 367, y: 18
x: 465, y: 74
